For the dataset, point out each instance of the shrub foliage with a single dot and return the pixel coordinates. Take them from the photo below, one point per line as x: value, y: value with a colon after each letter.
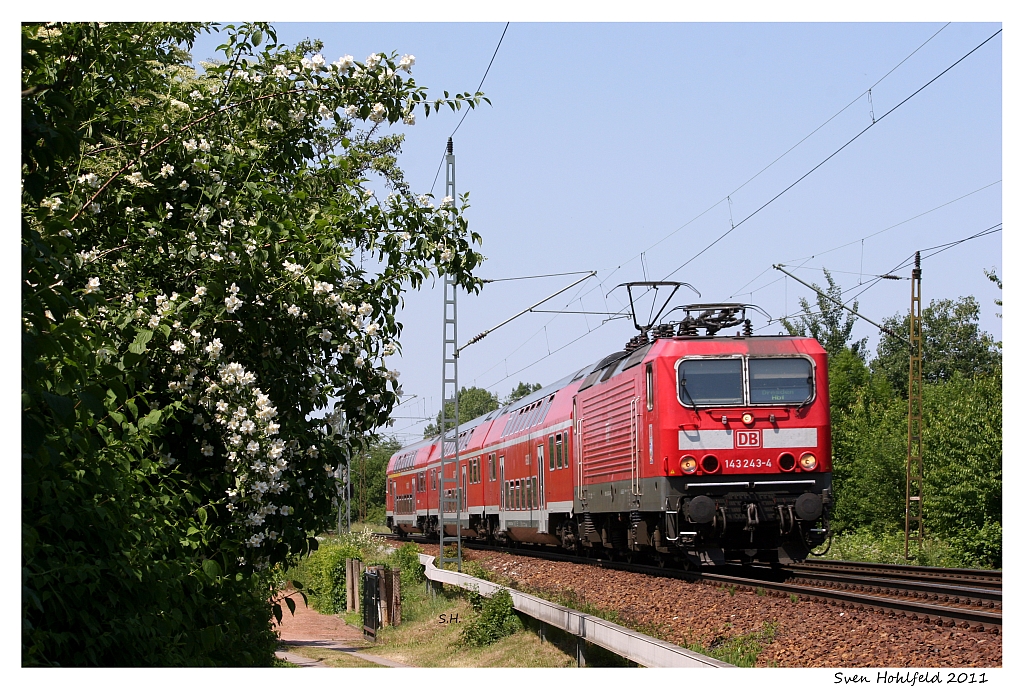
x: 204, y: 264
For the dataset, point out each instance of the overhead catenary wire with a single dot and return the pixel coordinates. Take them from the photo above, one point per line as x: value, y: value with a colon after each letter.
x: 873, y: 123
x: 479, y: 86
x: 861, y: 239
x: 726, y: 198
x: 784, y: 190
x: 831, y: 155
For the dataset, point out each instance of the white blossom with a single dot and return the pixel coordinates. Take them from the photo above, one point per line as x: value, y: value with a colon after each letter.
x: 323, y: 111
x: 207, y: 450
x: 94, y: 208
x: 53, y: 204
x: 214, y: 348
x: 378, y: 112
x: 92, y: 285
x: 293, y: 310
x: 318, y: 61
x: 177, y: 346
x: 166, y: 170
x: 373, y: 61
x: 325, y: 335
x: 409, y: 118
x: 344, y: 63
x: 90, y: 179
x: 406, y: 63
x: 351, y: 110
x: 281, y: 72
x: 232, y: 303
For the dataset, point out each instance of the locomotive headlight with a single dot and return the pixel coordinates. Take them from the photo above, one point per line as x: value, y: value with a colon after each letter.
x: 688, y: 464
x: 808, y: 461
x: 748, y: 418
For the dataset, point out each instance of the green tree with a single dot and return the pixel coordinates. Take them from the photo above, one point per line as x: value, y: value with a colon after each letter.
x: 953, y: 342
x: 473, y: 402
x: 994, y: 277
x: 830, y: 325
x: 189, y: 298
x: 520, y: 391
x: 369, y: 474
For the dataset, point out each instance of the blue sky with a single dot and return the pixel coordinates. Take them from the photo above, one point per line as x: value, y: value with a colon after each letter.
x: 613, y: 147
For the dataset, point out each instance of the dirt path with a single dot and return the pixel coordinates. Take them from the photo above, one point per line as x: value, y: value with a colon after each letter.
x: 308, y: 628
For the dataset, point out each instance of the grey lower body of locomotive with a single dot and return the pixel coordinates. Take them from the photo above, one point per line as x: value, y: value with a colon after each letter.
x: 704, y: 520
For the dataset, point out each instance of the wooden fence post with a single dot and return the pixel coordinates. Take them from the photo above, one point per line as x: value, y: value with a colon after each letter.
x: 396, y: 592
x: 385, y: 619
x: 350, y: 579
x: 358, y: 567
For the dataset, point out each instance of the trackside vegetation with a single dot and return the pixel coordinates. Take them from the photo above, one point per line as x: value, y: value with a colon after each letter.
x: 962, y: 374
x: 212, y: 260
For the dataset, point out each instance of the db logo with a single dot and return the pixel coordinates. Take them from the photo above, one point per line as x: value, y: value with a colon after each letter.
x: 748, y: 439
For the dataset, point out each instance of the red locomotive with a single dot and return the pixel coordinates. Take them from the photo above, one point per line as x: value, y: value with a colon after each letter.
x: 684, y: 447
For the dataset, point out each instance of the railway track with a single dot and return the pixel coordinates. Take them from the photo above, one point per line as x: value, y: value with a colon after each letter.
x: 964, y: 598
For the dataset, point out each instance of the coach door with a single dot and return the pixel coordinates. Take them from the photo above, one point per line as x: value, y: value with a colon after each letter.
x: 462, y: 490
x: 540, y: 476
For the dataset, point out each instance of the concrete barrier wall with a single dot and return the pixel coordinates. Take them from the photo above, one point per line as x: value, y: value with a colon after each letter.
x: 641, y: 649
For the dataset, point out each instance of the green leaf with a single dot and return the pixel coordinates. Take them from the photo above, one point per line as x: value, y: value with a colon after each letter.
x: 150, y: 419
x: 61, y: 406
x: 201, y: 512
x: 212, y: 568
x: 291, y: 605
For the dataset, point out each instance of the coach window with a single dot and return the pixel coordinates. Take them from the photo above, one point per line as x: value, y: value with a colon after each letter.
x: 559, y: 462
x: 551, y: 453
x: 433, y: 479
x: 710, y: 382
x: 780, y: 381
x: 490, y: 465
x: 519, y: 494
x: 650, y: 387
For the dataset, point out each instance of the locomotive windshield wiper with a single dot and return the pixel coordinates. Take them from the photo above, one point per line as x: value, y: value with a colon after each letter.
x: 682, y: 386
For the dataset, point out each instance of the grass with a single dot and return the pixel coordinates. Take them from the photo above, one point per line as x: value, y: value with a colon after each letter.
x: 328, y: 657
x: 869, y: 545
x: 421, y: 640
x: 741, y: 650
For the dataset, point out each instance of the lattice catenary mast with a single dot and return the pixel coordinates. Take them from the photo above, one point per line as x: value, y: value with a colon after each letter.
x: 450, y: 493
x: 914, y: 525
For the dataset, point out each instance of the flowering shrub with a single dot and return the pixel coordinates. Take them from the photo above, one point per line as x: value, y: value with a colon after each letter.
x: 204, y: 265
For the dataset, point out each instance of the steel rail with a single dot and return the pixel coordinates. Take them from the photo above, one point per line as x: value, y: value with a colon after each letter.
x: 958, y: 590
x: 975, y: 577
x: 910, y: 608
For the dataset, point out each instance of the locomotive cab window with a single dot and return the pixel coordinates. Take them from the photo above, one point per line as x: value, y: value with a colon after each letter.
x: 780, y: 381
x: 710, y: 382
